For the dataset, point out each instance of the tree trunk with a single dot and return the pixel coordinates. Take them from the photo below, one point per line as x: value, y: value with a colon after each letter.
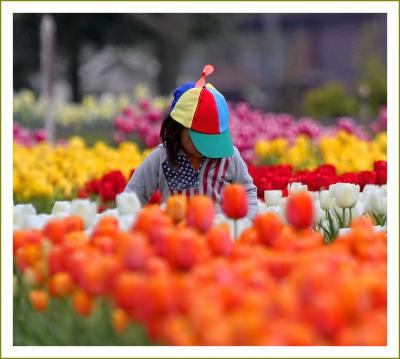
x: 170, y: 57
x: 47, y: 72
x: 73, y: 72
x: 171, y: 49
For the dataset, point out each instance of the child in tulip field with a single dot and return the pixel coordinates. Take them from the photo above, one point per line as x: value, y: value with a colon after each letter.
x: 197, y: 155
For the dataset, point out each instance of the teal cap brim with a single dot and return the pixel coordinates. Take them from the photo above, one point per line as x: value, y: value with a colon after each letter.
x: 213, y: 146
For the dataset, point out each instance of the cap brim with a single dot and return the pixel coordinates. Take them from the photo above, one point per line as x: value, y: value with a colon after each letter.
x: 213, y: 146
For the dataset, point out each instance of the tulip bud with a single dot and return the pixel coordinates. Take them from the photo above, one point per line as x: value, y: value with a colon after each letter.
x: 384, y: 205
x: 343, y: 231
x: 296, y: 187
x: 358, y: 210
x: 200, y: 213
x: 128, y: 203
x: 20, y: 211
x: 273, y: 198
x: 325, y: 200
x: 176, y: 207
x: 374, y: 202
x: 234, y: 201
x: 61, y: 207
x: 39, y: 300
x: 300, y: 210
x: 84, y: 208
x: 346, y: 194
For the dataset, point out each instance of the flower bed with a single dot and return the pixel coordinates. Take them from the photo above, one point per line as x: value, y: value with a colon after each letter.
x: 45, y: 171
x: 188, y: 283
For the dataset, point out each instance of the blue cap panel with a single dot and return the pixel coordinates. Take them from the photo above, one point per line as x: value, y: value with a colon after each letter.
x: 223, y: 112
x: 179, y: 92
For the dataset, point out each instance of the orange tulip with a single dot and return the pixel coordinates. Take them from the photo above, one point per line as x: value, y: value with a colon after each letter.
x: 120, y: 320
x: 134, y: 250
x: 176, y: 207
x: 107, y: 225
x: 39, y: 300
x: 60, y: 284
x: 300, y: 210
x: 190, y: 249
x: 129, y: 289
x: 200, y: 213
x: 20, y: 238
x: 219, y: 240
x: 55, y: 230
x: 83, y: 303
x: 234, y: 201
x: 74, y: 223
x: 249, y: 236
x: 269, y: 227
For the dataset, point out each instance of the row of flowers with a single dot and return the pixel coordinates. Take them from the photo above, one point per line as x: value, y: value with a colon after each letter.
x: 29, y: 109
x: 331, y: 210
x: 46, y: 171
x: 139, y: 117
x: 105, y: 189
x: 49, y: 171
x: 338, y: 150
x: 277, y: 177
x: 249, y: 126
x: 189, y: 283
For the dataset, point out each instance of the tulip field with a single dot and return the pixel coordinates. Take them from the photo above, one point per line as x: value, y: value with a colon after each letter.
x: 93, y: 266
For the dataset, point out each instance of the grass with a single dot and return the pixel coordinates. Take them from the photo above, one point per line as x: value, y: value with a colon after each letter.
x: 60, y: 325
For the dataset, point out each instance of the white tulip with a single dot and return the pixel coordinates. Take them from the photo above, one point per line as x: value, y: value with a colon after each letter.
x: 357, y: 211
x: 370, y: 187
x: 324, y: 224
x: 380, y: 228
x: 346, y: 194
x: 296, y: 187
x: 61, y: 207
x: 374, y: 202
x: 318, y: 212
x: 84, y: 208
x: 344, y: 231
x: 128, y: 203
x: 325, y: 200
x: 126, y: 221
x: 36, y: 221
x: 273, y: 198
x: 113, y: 212
x: 88, y: 231
x: 384, y: 205
x: 261, y: 207
x: 20, y: 211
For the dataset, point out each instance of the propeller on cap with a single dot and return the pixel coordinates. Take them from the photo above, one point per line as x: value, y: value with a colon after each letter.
x: 207, y: 70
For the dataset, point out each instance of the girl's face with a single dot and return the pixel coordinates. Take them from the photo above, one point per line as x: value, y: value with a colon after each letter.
x: 188, y: 145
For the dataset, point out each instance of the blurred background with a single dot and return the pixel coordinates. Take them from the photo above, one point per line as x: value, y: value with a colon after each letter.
x: 319, y: 65
x: 303, y: 90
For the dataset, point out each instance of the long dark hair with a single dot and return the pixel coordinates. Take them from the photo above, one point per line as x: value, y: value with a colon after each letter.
x: 170, y: 134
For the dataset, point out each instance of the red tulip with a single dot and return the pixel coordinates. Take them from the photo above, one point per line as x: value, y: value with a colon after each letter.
x: 300, y: 210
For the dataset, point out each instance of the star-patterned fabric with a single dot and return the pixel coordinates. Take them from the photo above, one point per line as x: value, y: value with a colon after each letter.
x: 183, y: 177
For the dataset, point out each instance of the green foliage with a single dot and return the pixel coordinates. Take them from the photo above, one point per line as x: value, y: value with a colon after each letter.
x: 373, y: 77
x: 373, y: 80
x: 60, y: 325
x: 330, y: 100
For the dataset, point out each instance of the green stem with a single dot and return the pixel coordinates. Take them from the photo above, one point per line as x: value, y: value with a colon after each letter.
x: 235, y: 229
x: 344, y: 216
